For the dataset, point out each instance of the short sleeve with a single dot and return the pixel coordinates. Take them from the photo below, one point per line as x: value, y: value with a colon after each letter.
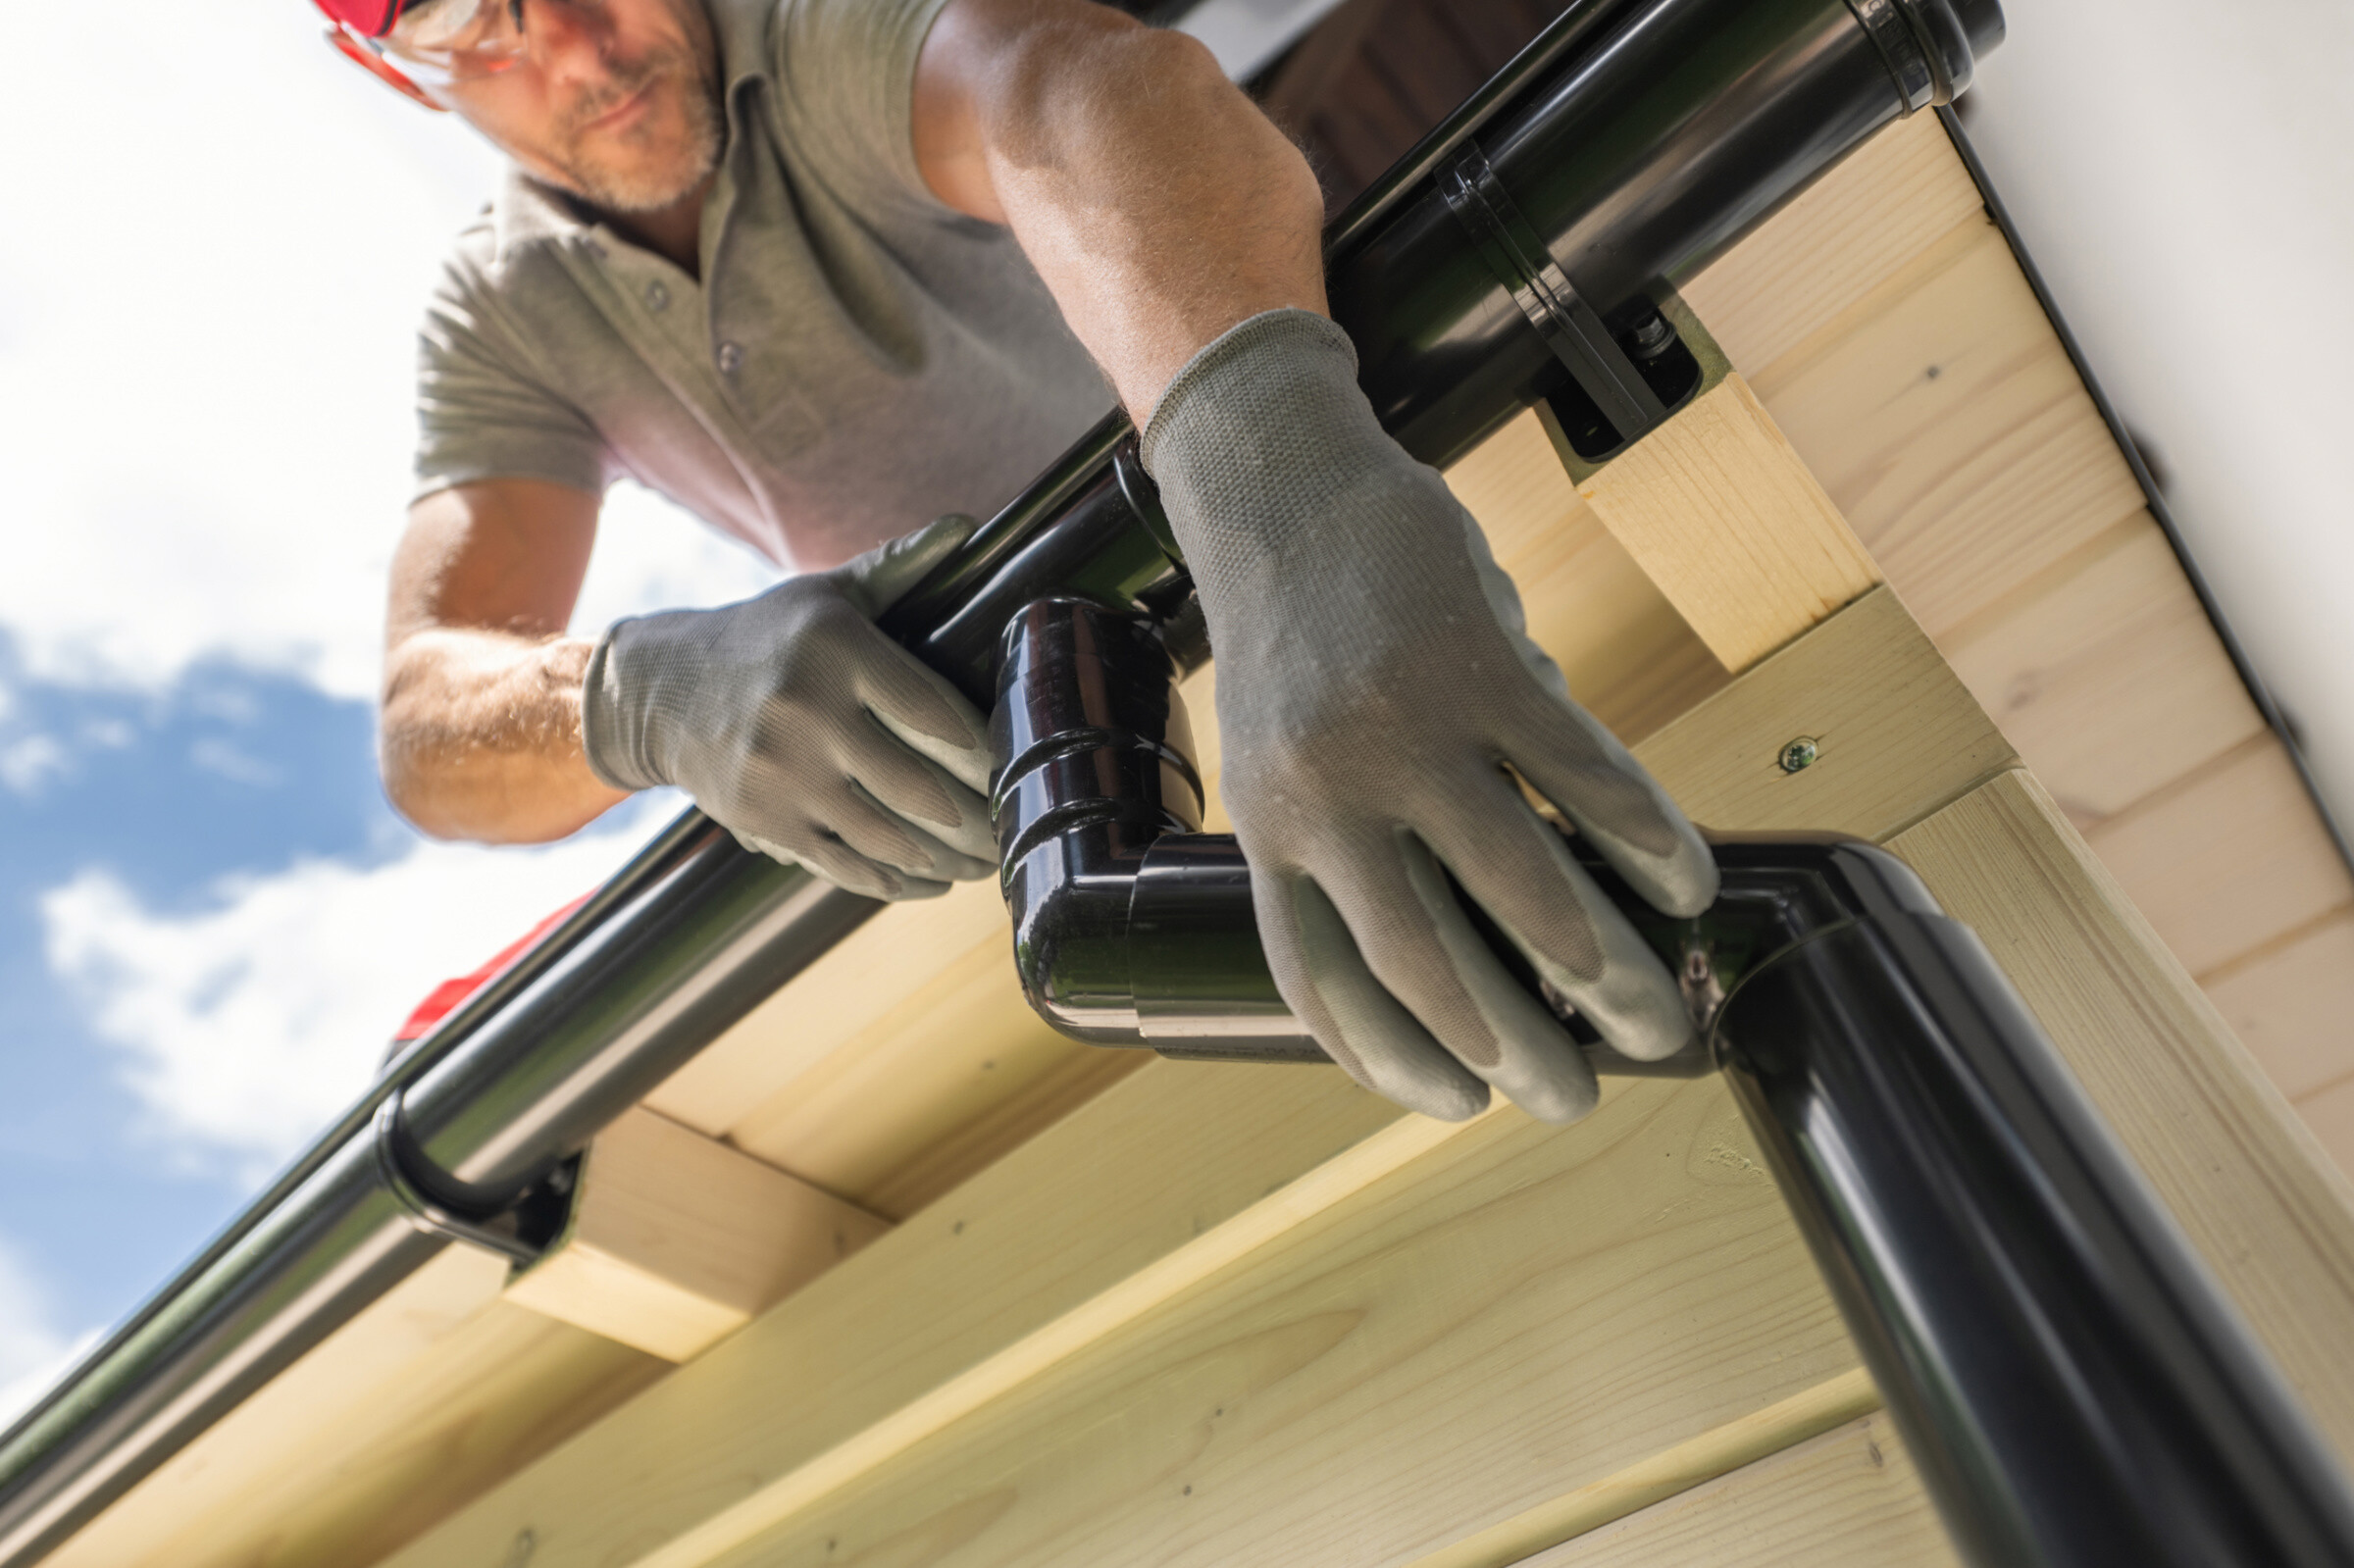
x: 845, y: 69
x: 481, y: 413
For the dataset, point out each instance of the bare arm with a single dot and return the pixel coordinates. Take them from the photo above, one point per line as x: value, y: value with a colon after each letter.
x: 480, y: 732
x: 1157, y: 203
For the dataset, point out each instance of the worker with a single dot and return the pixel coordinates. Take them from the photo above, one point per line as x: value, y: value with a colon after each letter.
x: 817, y: 269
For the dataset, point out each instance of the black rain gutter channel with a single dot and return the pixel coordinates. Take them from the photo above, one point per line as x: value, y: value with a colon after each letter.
x: 1641, y: 137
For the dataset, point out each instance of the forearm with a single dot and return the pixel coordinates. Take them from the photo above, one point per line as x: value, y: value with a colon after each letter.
x: 480, y: 737
x: 1159, y: 206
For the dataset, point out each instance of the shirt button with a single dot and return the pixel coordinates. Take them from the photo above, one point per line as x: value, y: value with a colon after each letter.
x: 657, y: 297
x: 730, y: 359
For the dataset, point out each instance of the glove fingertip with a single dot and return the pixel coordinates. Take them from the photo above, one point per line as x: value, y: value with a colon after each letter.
x: 1562, y: 1097
x: 912, y: 889
x: 1443, y: 1100
x: 1683, y: 883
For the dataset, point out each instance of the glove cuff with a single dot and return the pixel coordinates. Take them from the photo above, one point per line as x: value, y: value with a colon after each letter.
x: 614, y: 730
x: 1262, y: 433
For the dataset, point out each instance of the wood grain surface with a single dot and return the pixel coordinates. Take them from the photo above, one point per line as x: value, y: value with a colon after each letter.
x: 1850, y: 1499
x: 2247, y: 1183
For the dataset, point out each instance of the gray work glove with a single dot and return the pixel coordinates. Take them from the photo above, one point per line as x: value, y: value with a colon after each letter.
x: 1375, y: 678
x: 802, y: 728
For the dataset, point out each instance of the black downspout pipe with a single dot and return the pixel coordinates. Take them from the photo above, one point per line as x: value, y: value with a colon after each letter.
x: 1631, y: 142
x: 2074, y: 1386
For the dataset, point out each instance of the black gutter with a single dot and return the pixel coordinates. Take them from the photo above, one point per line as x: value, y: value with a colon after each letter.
x: 2152, y: 497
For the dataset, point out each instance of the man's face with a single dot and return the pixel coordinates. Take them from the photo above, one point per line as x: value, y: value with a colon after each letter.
x: 617, y: 101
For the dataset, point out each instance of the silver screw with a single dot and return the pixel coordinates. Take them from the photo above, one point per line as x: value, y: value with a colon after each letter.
x: 1800, y: 755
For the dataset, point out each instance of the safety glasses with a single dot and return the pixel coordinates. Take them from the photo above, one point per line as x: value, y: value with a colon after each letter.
x: 437, y: 45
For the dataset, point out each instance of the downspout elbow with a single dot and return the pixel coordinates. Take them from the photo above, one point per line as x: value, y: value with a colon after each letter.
x: 1093, y: 767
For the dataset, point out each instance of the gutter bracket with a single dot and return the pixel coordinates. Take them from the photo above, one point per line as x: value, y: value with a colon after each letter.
x: 520, y: 1232
x: 1571, y: 328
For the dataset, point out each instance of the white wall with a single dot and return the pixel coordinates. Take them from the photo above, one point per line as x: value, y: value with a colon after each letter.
x: 2182, y: 173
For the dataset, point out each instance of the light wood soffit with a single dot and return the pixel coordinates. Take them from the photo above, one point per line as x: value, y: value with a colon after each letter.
x: 1844, y: 1400
x: 409, y: 1413
x: 859, y: 981
x: 2109, y: 680
x: 2287, y: 1003
x: 2227, y: 860
x: 1836, y: 242
x: 932, y: 1319
x: 1851, y: 1499
x: 1945, y: 419
x: 1439, y: 1349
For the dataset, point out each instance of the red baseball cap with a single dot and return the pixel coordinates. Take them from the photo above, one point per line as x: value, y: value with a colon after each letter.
x: 370, y: 18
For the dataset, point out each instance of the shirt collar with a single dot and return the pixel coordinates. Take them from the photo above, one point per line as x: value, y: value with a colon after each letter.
x: 526, y: 214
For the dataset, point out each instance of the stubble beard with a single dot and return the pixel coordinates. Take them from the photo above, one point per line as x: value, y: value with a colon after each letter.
x: 633, y: 173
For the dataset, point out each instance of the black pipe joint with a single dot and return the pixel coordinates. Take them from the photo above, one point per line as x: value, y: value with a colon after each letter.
x: 1131, y: 926
x: 1093, y: 765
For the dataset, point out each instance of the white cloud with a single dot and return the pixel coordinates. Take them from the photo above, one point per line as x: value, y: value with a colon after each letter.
x: 651, y: 556
x: 34, y: 1349
x: 207, y: 364
x: 27, y: 762
x: 243, y: 1027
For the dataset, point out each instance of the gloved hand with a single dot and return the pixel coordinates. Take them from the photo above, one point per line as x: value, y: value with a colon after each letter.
x: 1375, y: 678
x: 802, y: 728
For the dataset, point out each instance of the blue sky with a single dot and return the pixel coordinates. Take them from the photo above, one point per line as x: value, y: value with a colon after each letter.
x: 269, y: 769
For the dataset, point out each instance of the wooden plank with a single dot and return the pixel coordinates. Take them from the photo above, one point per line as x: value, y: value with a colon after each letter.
x: 1719, y: 513
x: 1672, y: 1471
x: 1945, y: 420
x: 2221, y: 1148
x: 677, y: 1241
x: 276, y: 1428
x: 1850, y: 1499
x: 1142, y: 1193
x: 1860, y: 224
x: 2329, y: 1112
x: 1518, y: 1310
x: 2109, y: 680
x: 2229, y: 860
x: 962, y: 1042
x: 1630, y: 659
x: 1869, y: 689
x: 2288, y: 1005
x: 940, y: 1165
x: 834, y: 1000
x: 407, y: 1412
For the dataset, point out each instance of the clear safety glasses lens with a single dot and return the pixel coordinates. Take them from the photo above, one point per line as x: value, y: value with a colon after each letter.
x: 445, y: 41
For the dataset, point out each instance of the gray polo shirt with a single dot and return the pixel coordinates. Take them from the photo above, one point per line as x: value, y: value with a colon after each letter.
x: 858, y: 358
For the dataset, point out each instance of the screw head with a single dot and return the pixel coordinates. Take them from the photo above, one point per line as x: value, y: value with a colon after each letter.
x: 1800, y: 755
